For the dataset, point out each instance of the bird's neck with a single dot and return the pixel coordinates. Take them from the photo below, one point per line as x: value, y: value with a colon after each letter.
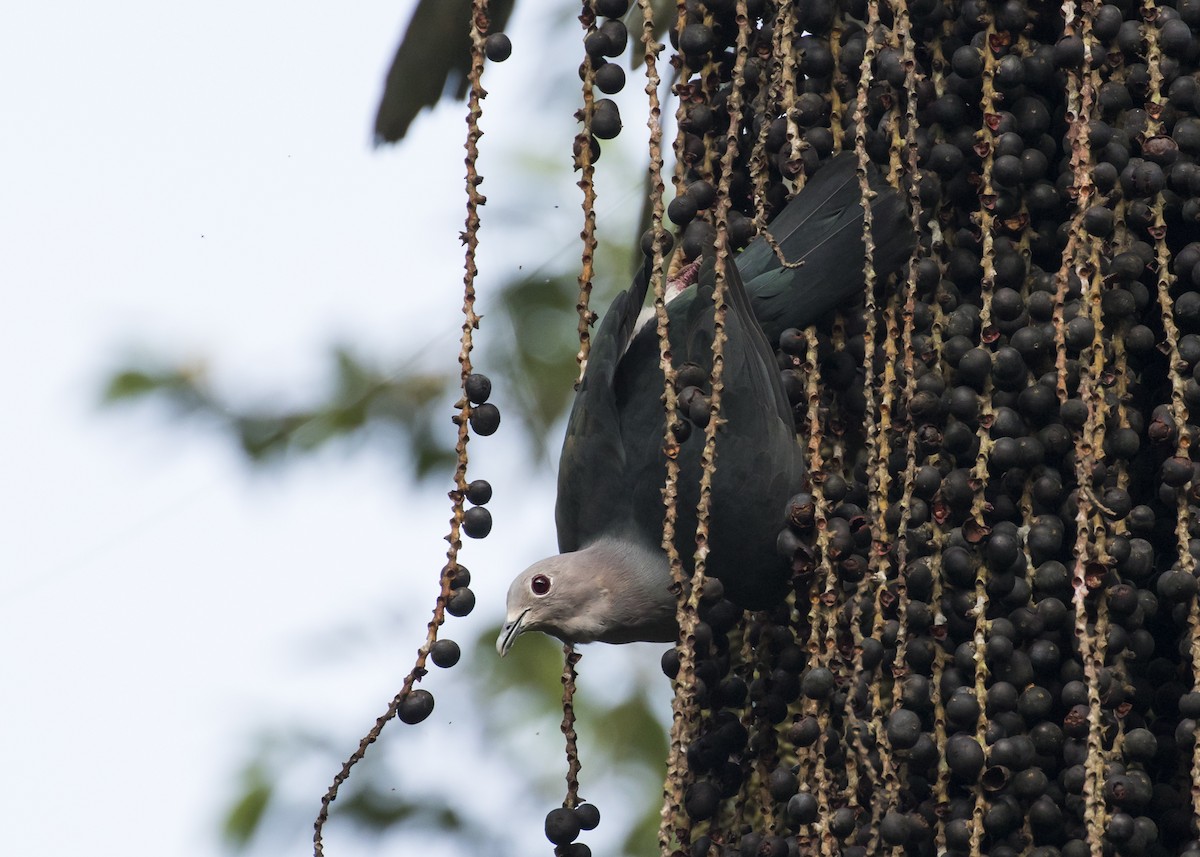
x: 645, y: 609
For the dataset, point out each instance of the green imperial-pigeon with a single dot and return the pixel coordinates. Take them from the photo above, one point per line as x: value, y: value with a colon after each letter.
x: 612, y: 582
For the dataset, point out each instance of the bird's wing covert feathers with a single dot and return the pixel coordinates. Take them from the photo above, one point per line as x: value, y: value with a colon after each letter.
x: 592, y: 482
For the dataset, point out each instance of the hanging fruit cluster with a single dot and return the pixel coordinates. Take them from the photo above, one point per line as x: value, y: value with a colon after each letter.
x: 993, y: 643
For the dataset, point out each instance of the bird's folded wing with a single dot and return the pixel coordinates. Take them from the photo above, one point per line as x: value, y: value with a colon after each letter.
x: 821, y: 230
x: 592, y: 489
x: 749, y: 359
x: 826, y: 204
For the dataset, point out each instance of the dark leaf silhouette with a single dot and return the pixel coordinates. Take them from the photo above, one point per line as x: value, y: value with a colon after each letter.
x: 433, y: 59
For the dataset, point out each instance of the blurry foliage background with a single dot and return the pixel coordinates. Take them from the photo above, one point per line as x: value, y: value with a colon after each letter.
x: 506, y: 716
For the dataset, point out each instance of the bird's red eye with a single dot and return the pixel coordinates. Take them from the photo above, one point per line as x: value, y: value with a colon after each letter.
x: 540, y: 584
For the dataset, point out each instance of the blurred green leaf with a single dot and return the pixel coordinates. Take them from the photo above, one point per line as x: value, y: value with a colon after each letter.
x: 358, y: 394
x: 537, y: 361
x: 130, y: 384
x: 377, y: 810
x: 643, y: 838
x: 524, y: 669
x: 663, y: 12
x: 181, y: 385
x: 243, y: 818
x: 633, y: 733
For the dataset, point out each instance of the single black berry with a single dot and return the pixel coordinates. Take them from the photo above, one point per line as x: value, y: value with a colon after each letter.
x: 562, y: 826
x: 612, y: 8
x: 701, y: 800
x: 461, y: 602
x: 485, y: 419
x: 478, y: 388
x: 903, y: 729
x: 588, y: 816
x: 802, y: 809
x: 606, y: 119
x: 497, y: 47
x: 817, y: 683
x: 477, y: 522
x: 416, y: 706
x: 610, y: 78
x: 479, y: 492
x: 445, y: 653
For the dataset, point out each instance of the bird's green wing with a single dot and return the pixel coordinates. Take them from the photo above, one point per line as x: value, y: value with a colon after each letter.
x: 593, y: 486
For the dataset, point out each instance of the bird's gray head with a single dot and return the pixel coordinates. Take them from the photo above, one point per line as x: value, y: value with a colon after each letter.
x: 608, y: 592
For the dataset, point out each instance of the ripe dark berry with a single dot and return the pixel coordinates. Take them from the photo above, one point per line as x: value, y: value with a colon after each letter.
x: 894, y: 828
x: 562, y: 826
x: 696, y: 39
x: 596, y: 44
x: 741, y: 229
x: 461, y: 602
x: 1098, y: 221
x: 588, y: 816
x: 1175, y: 38
x: 610, y: 78
x: 782, y: 784
x: 497, y: 47
x: 416, y: 706
x: 1140, y: 745
x: 749, y: 843
x: 445, y: 653
x: 1187, y: 134
x: 817, y: 683
x: 967, y: 62
x: 485, y: 419
x: 478, y: 388
x: 697, y: 237
x: 964, y: 756
x: 958, y: 834
x: 816, y: 59
x: 593, y: 148
x: 703, y: 193
x: 1176, y: 471
x: 962, y: 709
x: 682, y: 210
x: 802, y: 809
x: 1120, y: 827
x: 618, y: 37
x: 903, y: 729
x: 1069, y: 52
x: 479, y: 492
x: 1010, y: 72
x: 1176, y: 586
x: 1107, y: 22
x: 667, y: 241
x: 670, y: 663
x: 1006, y: 171
x: 477, y: 522
x: 606, y: 119
x: 842, y: 823
x: 612, y: 9
x: 701, y: 800
x: 1080, y: 332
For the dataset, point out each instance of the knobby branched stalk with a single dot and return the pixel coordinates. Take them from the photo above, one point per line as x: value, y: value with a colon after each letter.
x: 479, y: 28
